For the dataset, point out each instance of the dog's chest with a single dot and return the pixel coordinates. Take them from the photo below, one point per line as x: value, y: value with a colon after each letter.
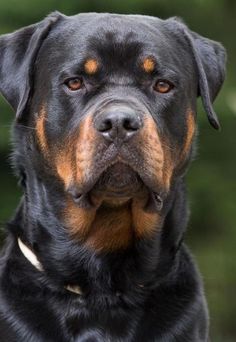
x: 110, y: 327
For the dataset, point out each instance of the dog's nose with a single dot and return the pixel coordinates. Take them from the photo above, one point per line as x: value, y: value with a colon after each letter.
x: 118, y: 124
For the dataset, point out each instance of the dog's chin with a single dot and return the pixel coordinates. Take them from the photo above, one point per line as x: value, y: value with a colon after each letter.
x: 118, y: 184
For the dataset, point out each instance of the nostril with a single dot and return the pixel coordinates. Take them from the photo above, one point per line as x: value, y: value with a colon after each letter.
x: 131, y: 125
x: 105, y: 125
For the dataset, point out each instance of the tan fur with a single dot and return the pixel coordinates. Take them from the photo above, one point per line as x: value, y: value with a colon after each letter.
x: 40, y: 129
x: 169, y: 162
x: 144, y: 223
x: 64, y: 166
x: 148, y: 64
x: 78, y: 220
x: 86, y: 146
x: 191, y: 126
x: 91, y: 66
x: 111, y: 229
x: 151, y: 148
x: 83, y: 142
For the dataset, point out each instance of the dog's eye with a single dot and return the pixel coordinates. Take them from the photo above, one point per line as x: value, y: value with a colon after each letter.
x: 74, y: 83
x: 163, y: 86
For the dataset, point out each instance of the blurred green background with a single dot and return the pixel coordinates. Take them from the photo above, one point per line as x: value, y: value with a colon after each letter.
x: 212, y: 176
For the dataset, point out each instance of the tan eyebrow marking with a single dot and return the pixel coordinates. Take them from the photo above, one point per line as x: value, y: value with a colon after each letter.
x: 148, y: 64
x: 91, y: 66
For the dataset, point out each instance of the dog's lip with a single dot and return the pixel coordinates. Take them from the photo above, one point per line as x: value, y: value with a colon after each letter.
x: 119, y: 179
x: 88, y: 187
x: 80, y: 194
x: 123, y: 194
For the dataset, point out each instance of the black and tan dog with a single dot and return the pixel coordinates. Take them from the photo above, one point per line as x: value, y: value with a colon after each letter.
x: 105, y: 124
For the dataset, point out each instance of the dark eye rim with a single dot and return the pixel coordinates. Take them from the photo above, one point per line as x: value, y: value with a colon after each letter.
x: 169, y: 83
x: 67, y: 81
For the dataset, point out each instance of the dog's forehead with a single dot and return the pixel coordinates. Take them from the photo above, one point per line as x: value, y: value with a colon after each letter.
x: 97, y: 24
x: 91, y: 32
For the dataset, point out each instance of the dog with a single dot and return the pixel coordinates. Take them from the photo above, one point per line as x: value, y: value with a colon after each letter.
x: 105, y: 129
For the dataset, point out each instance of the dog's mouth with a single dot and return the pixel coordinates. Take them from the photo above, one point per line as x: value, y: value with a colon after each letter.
x: 118, y: 184
x: 118, y: 181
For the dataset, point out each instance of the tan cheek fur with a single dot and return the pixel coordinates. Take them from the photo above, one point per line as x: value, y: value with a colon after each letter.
x: 156, y: 153
x: 64, y: 166
x: 73, y: 161
x: 85, y: 149
x: 191, y: 127
x: 40, y: 130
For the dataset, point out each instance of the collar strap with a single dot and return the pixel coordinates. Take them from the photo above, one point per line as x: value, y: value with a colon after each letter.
x: 32, y: 258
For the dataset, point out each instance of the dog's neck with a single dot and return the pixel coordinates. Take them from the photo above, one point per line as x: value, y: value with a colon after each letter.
x: 70, y: 261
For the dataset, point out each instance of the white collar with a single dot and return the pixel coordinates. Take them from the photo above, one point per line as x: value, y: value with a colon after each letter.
x: 32, y: 258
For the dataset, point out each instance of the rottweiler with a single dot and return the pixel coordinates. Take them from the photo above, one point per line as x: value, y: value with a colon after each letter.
x: 104, y: 132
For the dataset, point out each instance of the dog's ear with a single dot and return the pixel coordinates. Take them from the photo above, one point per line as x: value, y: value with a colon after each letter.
x: 210, y: 59
x: 18, y: 52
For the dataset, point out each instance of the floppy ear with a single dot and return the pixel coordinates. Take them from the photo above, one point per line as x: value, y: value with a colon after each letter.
x: 210, y: 59
x: 18, y: 52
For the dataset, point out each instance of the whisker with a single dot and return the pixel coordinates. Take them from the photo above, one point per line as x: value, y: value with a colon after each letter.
x: 167, y: 146
x: 27, y: 127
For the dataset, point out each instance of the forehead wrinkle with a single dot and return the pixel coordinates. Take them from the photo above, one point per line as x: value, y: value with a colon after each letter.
x: 115, y: 47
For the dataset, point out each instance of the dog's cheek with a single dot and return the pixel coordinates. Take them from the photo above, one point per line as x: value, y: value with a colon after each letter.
x: 150, y: 146
x: 177, y: 156
x: 58, y: 155
x: 74, y: 159
x: 85, y: 150
x: 63, y: 165
x: 157, y: 157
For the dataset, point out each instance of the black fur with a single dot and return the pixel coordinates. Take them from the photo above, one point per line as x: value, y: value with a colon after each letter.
x: 150, y: 291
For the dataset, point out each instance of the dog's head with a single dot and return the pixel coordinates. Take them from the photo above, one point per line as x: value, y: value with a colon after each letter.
x: 106, y: 116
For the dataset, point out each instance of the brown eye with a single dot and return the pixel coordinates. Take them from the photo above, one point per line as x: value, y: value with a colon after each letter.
x: 163, y: 87
x: 74, y: 84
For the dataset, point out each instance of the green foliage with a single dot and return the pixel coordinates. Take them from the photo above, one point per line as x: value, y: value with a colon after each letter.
x: 211, y: 179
